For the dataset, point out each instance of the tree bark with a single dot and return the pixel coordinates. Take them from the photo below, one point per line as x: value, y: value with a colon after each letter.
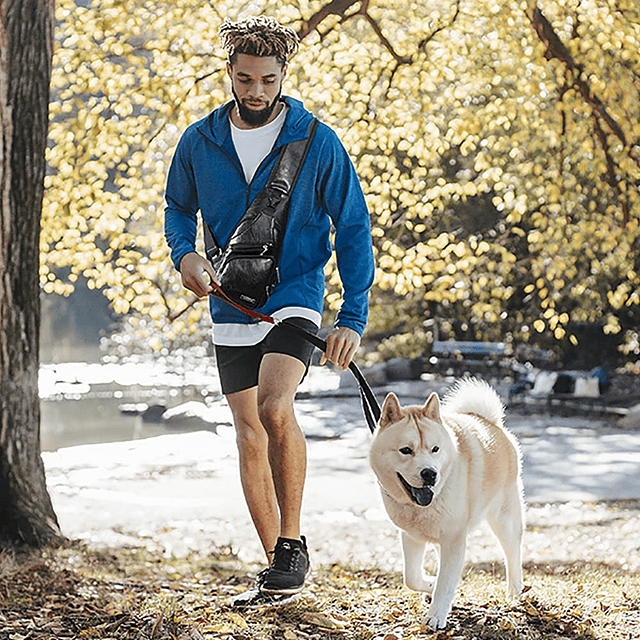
x: 26, y: 40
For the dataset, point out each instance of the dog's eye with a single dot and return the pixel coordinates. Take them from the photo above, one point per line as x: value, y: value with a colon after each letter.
x: 406, y: 451
x: 435, y: 449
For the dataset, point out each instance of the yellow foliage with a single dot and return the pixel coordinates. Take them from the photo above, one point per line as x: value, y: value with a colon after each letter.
x: 477, y: 152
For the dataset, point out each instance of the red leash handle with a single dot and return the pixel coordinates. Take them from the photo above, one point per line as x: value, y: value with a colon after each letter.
x: 219, y: 293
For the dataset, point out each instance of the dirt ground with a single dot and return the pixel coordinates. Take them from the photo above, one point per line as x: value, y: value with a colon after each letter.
x: 167, y: 575
x: 582, y: 575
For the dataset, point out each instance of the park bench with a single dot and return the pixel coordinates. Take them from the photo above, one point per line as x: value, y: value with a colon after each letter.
x: 476, y: 349
x: 460, y: 357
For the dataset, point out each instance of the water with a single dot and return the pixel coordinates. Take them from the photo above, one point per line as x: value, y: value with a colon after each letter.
x: 65, y: 423
x: 81, y: 403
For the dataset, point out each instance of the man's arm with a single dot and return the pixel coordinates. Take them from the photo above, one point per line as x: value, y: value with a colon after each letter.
x: 181, y: 211
x: 345, y: 203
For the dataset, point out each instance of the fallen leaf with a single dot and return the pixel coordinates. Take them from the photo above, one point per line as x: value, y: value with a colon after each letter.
x: 323, y: 621
x: 237, y: 619
x: 218, y: 628
x: 415, y: 629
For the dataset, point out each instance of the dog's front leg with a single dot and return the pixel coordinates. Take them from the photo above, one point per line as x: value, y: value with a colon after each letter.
x: 413, y: 555
x: 451, y: 560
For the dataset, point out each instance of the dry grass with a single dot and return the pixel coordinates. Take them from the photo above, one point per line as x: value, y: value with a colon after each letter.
x: 135, y: 594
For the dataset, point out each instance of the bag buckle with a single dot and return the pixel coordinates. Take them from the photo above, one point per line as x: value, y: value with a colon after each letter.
x: 280, y: 184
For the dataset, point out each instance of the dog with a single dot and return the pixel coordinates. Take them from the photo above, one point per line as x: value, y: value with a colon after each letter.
x: 442, y: 468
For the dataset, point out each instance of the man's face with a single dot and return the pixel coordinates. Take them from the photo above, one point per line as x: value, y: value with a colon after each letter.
x: 256, y: 82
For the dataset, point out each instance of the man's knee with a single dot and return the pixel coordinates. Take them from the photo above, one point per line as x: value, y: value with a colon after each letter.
x: 275, y: 413
x: 251, y: 439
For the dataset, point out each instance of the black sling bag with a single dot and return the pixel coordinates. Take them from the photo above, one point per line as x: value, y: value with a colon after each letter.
x: 247, y: 266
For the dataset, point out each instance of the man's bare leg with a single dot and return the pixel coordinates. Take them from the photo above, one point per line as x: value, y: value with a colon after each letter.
x: 279, y: 378
x: 255, y: 471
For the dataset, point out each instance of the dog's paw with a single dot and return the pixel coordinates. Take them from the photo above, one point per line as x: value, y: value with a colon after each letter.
x: 434, y: 622
x: 515, y: 589
x: 423, y: 584
x: 436, y: 617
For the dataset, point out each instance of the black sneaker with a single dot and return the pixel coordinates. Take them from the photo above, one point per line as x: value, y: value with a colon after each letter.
x: 255, y: 599
x: 289, y: 568
x: 252, y: 597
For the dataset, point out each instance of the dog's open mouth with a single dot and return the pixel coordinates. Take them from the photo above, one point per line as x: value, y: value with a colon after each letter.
x: 422, y: 496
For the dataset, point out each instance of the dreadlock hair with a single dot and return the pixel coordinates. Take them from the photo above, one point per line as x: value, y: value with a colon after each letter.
x: 258, y: 36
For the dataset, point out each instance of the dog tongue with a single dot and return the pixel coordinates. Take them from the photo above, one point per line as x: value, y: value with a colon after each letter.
x: 422, y: 495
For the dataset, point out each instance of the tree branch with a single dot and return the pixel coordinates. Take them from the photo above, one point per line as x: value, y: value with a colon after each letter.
x: 425, y: 41
x: 335, y: 8
x: 339, y: 8
x: 556, y: 49
x: 177, y: 106
x: 611, y: 171
x: 385, y: 42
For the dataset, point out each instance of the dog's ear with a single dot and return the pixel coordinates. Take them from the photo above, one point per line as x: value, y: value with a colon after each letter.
x: 431, y: 408
x: 391, y: 410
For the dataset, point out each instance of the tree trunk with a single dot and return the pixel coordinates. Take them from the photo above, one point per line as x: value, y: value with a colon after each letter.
x: 26, y: 39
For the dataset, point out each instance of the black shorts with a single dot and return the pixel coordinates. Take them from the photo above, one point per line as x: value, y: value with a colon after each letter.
x: 239, y: 366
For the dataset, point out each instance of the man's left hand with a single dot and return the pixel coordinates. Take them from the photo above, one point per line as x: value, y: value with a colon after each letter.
x: 342, y: 344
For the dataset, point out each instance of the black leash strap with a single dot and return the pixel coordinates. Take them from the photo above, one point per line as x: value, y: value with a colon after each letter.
x: 370, y: 406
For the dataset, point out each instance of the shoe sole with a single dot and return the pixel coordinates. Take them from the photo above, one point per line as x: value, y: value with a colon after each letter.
x: 268, y: 601
x: 282, y: 592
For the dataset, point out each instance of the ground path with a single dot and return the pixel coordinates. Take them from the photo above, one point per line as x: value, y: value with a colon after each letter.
x: 181, y: 492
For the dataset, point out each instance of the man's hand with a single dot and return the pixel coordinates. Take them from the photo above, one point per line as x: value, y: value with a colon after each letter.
x: 197, y: 274
x: 342, y: 344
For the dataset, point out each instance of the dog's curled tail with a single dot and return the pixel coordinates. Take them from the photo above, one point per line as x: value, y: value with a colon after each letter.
x: 477, y: 397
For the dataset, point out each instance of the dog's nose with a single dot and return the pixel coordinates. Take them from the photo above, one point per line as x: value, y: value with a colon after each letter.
x: 429, y: 476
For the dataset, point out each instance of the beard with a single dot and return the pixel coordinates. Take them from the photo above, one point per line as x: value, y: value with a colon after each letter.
x: 255, y: 118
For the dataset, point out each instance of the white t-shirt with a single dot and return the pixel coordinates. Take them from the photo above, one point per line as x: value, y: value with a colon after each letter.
x: 252, y: 146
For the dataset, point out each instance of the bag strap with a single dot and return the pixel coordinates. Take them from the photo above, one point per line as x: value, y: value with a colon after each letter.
x: 284, y: 176
x: 211, y: 246
x: 287, y: 169
x: 370, y: 406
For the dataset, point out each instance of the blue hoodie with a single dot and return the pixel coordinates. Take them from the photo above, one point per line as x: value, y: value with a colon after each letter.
x: 206, y: 175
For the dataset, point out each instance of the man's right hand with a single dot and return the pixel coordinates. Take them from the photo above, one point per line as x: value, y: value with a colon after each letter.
x: 197, y: 274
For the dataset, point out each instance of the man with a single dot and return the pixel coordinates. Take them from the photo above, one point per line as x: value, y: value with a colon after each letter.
x: 219, y: 166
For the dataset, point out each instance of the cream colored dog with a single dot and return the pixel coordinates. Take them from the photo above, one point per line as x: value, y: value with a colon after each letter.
x: 442, y: 468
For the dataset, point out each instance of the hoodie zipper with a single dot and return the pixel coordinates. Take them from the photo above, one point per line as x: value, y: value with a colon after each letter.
x: 256, y: 172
